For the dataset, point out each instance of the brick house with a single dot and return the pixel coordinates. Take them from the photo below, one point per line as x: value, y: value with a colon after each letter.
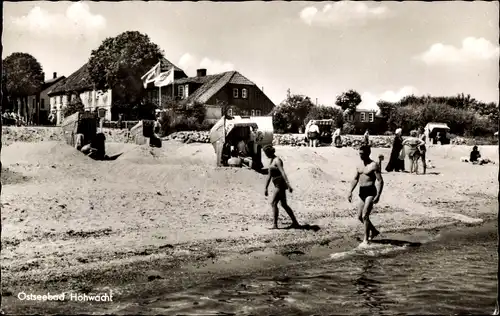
x: 80, y: 84
x: 242, y: 95
x: 366, y: 116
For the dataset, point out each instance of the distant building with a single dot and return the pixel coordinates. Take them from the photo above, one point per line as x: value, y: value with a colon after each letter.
x: 37, y: 110
x: 366, y: 116
x: 242, y: 95
x: 79, y: 84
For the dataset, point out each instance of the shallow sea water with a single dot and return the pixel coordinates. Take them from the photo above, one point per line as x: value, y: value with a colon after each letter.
x: 454, y: 274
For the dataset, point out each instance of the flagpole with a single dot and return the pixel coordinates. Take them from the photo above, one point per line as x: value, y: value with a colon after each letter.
x: 160, y: 88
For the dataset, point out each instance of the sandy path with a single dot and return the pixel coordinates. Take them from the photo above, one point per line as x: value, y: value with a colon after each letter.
x: 64, y: 214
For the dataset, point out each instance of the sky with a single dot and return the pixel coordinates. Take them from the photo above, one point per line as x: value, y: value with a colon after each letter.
x: 383, y: 50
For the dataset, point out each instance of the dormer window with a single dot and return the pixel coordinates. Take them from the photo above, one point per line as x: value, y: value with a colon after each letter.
x: 371, y: 116
x: 362, y: 117
x: 244, y: 93
x: 180, y: 91
x: 186, y: 91
x: 235, y: 93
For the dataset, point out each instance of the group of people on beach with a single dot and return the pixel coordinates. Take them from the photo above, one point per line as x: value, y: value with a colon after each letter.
x: 367, y: 175
x: 416, y: 152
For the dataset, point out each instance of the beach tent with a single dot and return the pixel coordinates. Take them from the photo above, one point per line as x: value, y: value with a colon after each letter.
x: 432, y: 128
x: 227, y: 129
x: 325, y: 126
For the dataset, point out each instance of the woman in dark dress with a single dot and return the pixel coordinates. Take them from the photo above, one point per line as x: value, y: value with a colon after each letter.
x: 396, y: 164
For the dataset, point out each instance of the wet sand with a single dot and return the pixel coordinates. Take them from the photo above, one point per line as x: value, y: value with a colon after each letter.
x: 142, y: 223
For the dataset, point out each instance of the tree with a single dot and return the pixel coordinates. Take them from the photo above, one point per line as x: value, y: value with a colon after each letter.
x: 120, y: 62
x: 348, y: 100
x: 75, y: 105
x: 22, y: 76
x: 289, y: 116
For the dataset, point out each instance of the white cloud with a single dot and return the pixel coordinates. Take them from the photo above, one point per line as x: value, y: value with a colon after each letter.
x: 186, y: 61
x: 369, y: 100
x: 190, y: 63
x: 342, y: 13
x: 77, y: 21
x: 472, y: 49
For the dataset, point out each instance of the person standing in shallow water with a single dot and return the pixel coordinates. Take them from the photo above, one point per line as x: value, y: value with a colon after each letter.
x: 367, y: 174
x: 280, y: 180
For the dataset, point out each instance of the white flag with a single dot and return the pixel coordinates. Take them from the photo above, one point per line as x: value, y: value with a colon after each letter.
x: 165, y: 78
x: 151, y: 75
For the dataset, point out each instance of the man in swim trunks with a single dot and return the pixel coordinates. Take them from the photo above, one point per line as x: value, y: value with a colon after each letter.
x: 369, y: 190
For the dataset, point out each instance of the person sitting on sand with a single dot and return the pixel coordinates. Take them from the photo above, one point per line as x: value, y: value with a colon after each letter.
x: 413, y: 142
x: 96, y: 149
x: 280, y: 180
x: 242, y: 148
x: 367, y: 174
x: 475, y: 157
x: 79, y: 141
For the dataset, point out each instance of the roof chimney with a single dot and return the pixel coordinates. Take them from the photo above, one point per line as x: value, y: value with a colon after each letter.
x: 201, y: 72
x: 55, y: 75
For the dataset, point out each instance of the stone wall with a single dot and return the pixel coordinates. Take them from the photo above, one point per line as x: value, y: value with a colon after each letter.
x: 12, y: 134
x: 35, y: 134
x: 379, y: 141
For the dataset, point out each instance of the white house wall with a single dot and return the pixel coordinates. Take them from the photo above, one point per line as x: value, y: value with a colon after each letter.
x: 91, y: 99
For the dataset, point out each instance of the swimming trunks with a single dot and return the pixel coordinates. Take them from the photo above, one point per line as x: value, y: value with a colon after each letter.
x: 367, y: 191
x: 277, y: 178
x: 312, y: 135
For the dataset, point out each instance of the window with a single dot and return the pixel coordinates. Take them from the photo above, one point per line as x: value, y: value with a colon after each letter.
x: 235, y: 93
x: 371, y: 116
x: 186, y: 91
x: 180, y: 91
x: 244, y: 93
x: 257, y: 112
x: 253, y: 111
x: 362, y: 117
x: 230, y: 112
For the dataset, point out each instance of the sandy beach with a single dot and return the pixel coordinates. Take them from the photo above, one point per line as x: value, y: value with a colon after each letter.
x: 70, y: 223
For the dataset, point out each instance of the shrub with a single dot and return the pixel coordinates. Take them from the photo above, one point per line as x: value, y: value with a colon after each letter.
x: 75, y: 105
x: 348, y: 128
